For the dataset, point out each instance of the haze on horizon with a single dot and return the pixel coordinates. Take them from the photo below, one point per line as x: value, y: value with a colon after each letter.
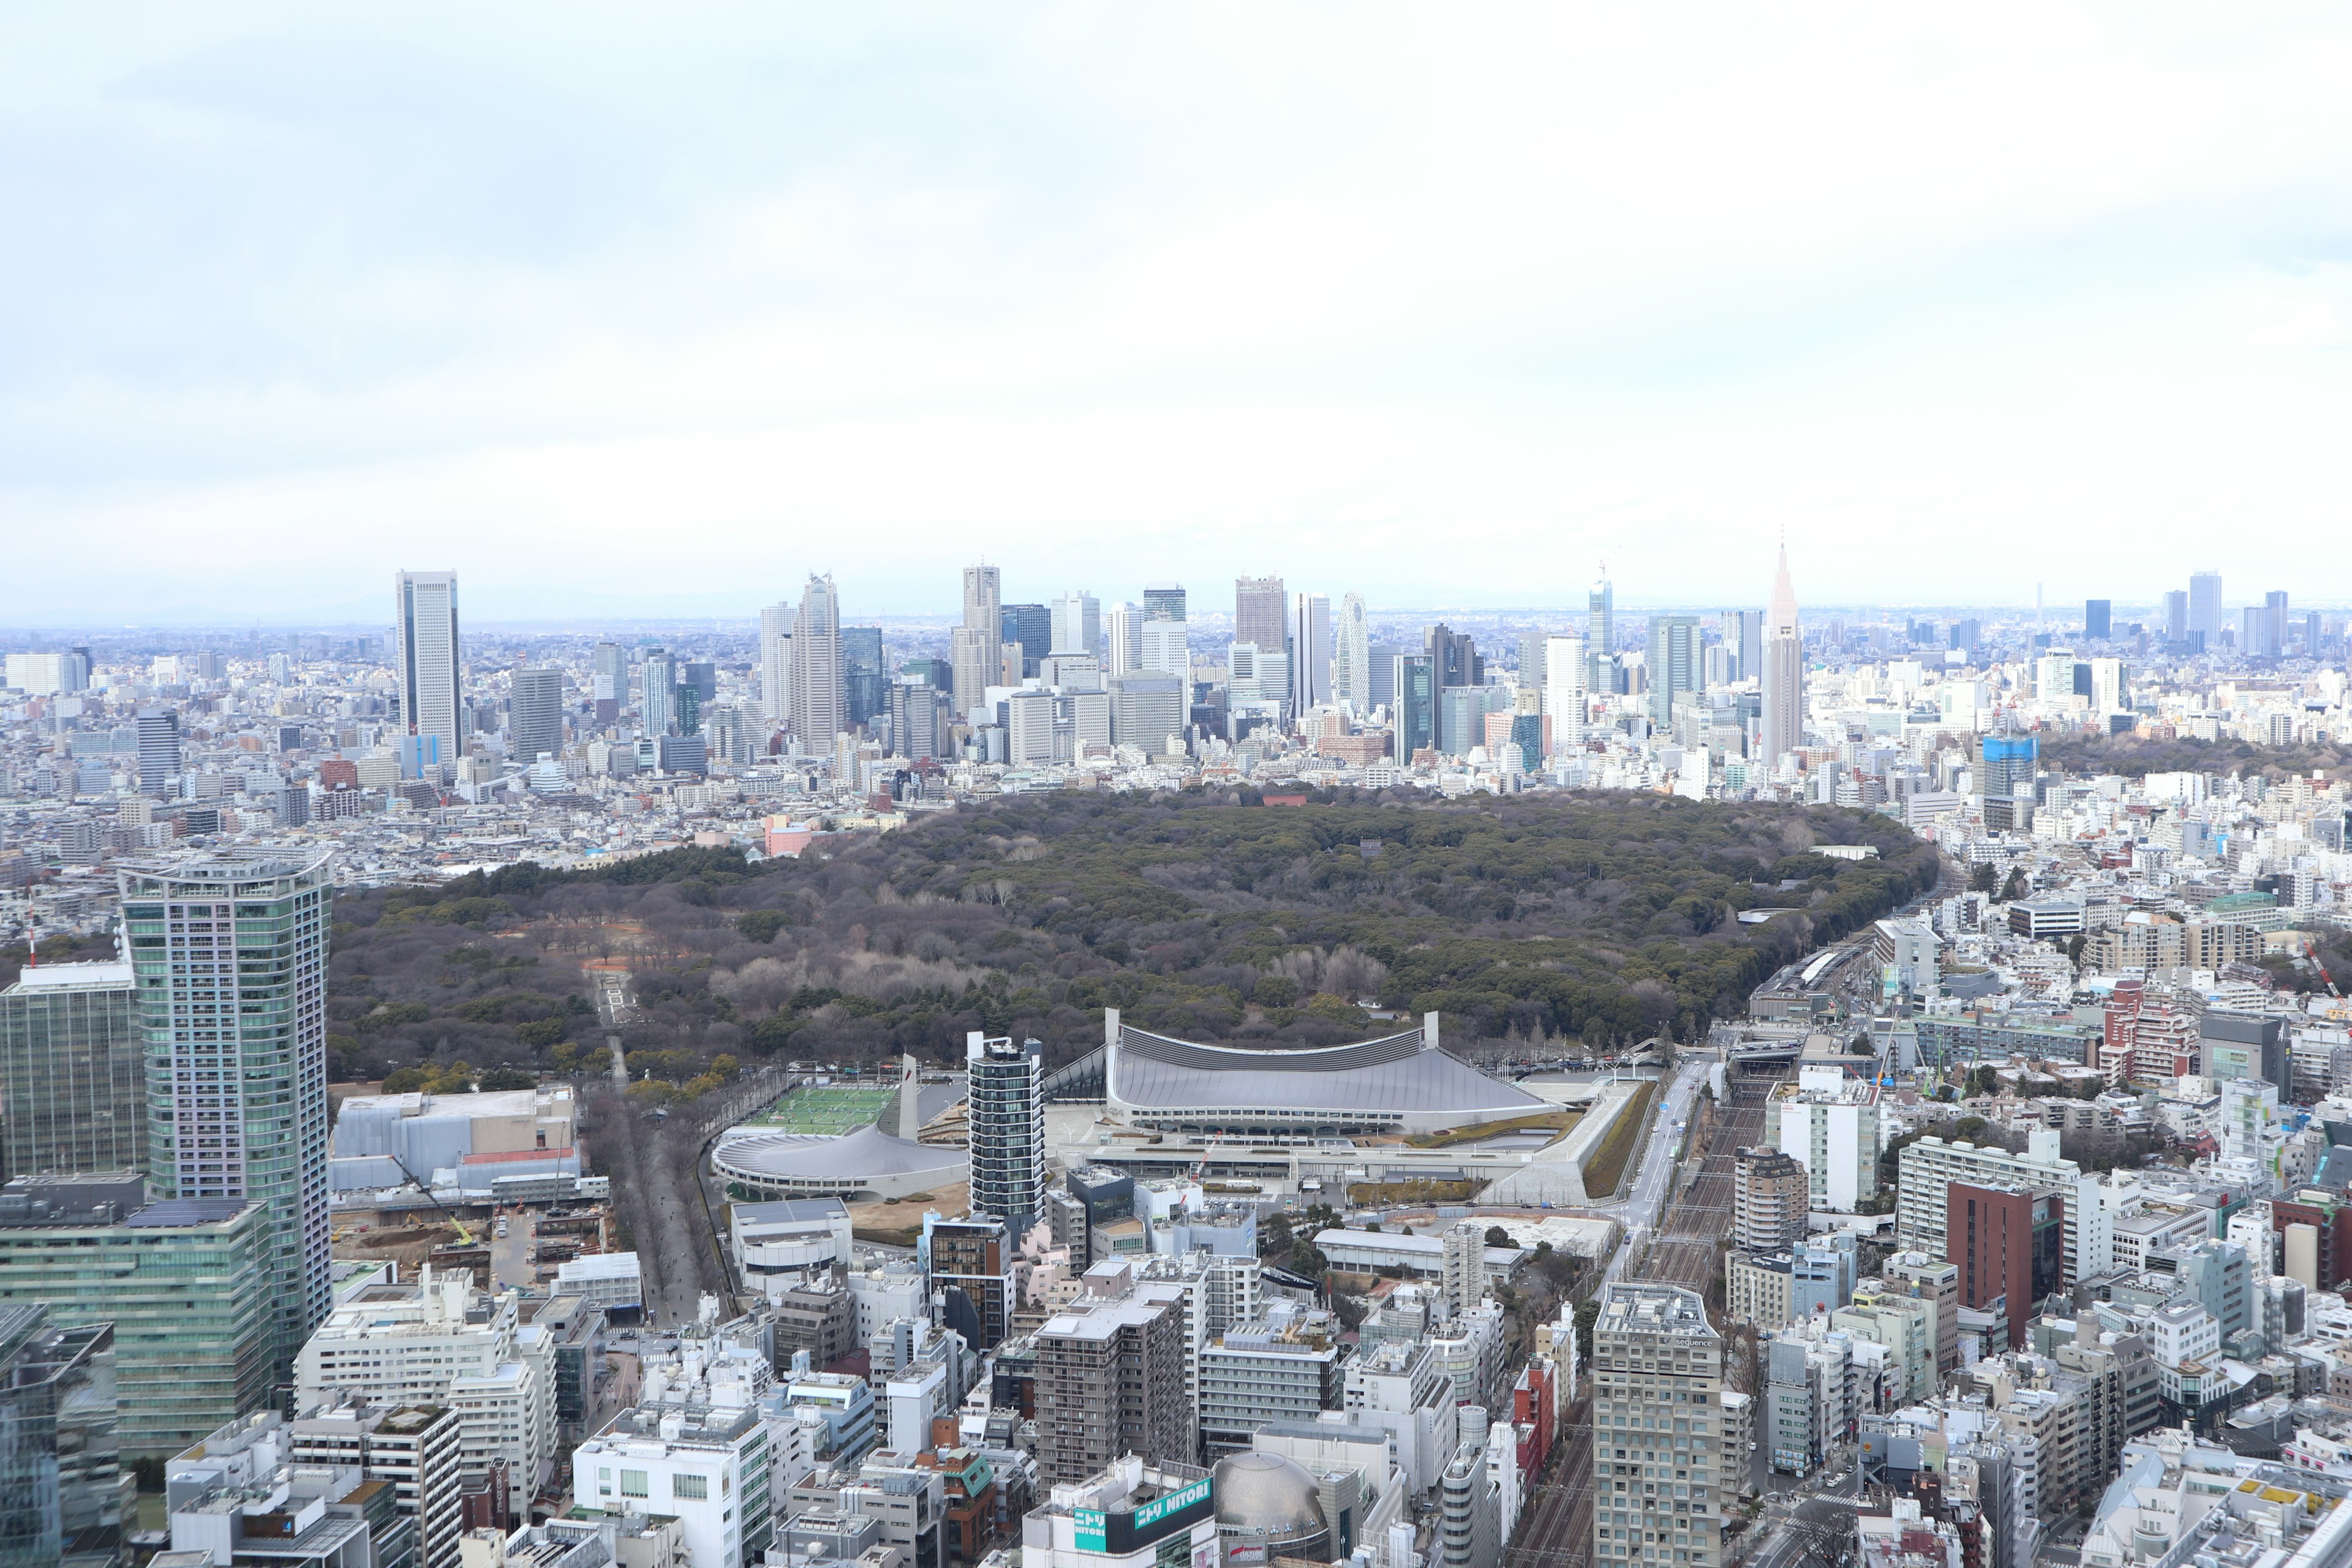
x: 630, y: 315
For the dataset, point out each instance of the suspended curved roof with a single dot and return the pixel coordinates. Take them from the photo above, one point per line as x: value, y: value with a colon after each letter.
x: 1399, y: 1075
x: 860, y: 1156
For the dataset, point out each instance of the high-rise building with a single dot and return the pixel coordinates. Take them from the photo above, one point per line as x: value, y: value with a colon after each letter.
x: 179, y: 1280
x: 1743, y: 640
x: 2205, y: 607
x: 61, y: 1470
x: 918, y: 718
x: 1167, y: 650
x: 2009, y: 1243
x: 1771, y: 1197
x: 441, y: 1342
x: 2008, y: 783
x: 1164, y: 601
x: 2175, y: 616
x: 1145, y: 710
x: 535, y: 713
x: 609, y: 677
x: 864, y: 679
x: 657, y: 691
x: 1123, y: 640
x: 1456, y: 652
x: 1462, y: 1256
x: 974, y: 646
x: 2274, y: 621
x: 1601, y: 637
x: 1077, y: 624
x: 971, y: 1261
x: 425, y: 612
x: 1415, y: 704
x: 818, y: 711
x: 1031, y: 628
x: 1259, y: 614
x: 73, y: 1071
x: 984, y: 598
x: 159, y: 750
x: 1352, y: 656
x: 230, y: 952
x: 1657, y: 1364
x: 1110, y: 1378
x: 1929, y: 1168
x: 775, y: 662
x: 1007, y: 1113
x: 1310, y: 651
x: 1784, y: 670
x: 1532, y: 649
x: 1565, y: 670
x: 414, y: 1449
x: 1674, y: 664
x: 2097, y: 618
x: 1828, y: 1123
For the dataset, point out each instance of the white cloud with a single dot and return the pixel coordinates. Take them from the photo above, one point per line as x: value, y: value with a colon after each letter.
x: 1431, y: 303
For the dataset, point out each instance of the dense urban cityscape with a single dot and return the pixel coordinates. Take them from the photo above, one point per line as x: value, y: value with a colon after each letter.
x: 1991, y: 1221
x: 1285, y: 785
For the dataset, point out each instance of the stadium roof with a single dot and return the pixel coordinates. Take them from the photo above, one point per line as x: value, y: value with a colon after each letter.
x: 862, y: 1155
x: 1401, y: 1074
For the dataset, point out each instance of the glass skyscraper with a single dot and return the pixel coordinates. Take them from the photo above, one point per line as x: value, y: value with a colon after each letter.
x: 230, y: 952
x: 73, y: 1074
x: 865, y: 683
x: 60, y: 1474
x: 657, y: 694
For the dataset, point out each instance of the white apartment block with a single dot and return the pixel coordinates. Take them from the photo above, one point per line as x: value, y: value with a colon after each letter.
x: 1931, y: 1165
x: 1828, y: 1123
x: 441, y: 1341
x: 708, y: 1468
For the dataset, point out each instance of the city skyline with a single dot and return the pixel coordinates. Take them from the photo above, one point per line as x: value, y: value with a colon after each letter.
x: 1117, y: 301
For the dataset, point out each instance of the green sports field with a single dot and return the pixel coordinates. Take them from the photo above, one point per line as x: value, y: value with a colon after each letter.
x: 829, y: 1110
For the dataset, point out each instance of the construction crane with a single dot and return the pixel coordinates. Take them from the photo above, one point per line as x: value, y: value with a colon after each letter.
x: 465, y: 1236
x: 2321, y: 970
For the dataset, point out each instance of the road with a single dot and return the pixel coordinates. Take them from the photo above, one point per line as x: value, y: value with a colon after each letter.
x: 511, y: 1264
x: 614, y: 1006
x: 1809, y: 1524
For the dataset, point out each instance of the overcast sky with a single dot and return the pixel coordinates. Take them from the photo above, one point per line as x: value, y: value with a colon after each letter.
x: 642, y: 310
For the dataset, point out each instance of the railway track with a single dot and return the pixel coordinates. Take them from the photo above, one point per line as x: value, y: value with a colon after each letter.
x: 1556, y: 1524
x: 1696, y: 1224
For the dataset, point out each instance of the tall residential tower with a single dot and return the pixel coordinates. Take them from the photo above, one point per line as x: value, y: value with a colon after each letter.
x: 775, y: 663
x: 1007, y: 1113
x: 230, y: 954
x: 1657, y: 1396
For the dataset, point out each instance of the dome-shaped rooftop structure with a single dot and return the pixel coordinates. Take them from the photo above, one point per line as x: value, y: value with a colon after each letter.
x: 867, y: 1163
x: 1265, y: 1497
